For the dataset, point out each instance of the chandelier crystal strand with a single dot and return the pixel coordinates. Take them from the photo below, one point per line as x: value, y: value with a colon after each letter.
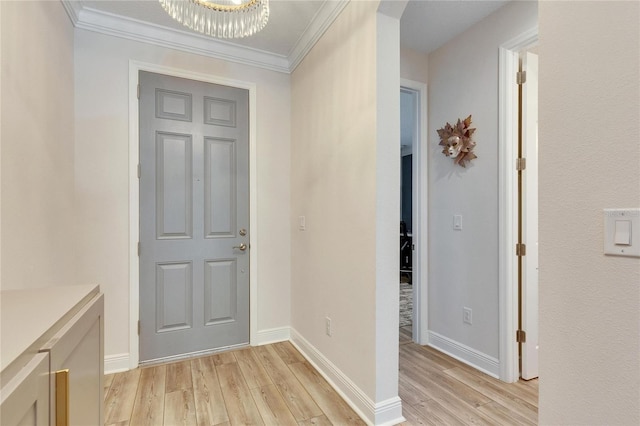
x: 220, y: 18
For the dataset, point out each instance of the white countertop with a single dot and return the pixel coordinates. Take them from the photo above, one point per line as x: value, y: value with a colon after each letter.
x: 26, y: 316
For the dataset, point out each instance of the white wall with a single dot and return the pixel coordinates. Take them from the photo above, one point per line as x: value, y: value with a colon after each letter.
x: 102, y: 179
x: 333, y: 184
x: 345, y: 178
x: 463, y: 265
x: 589, y: 160
x: 38, y: 215
x: 414, y: 65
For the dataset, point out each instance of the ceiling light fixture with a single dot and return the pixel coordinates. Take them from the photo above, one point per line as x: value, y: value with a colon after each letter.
x: 220, y: 18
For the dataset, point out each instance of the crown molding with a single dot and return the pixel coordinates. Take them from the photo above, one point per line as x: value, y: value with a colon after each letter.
x: 133, y: 29
x: 73, y: 9
x: 90, y: 19
x: 325, y: 16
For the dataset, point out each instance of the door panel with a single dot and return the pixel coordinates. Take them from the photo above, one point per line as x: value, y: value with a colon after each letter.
x: 220, y: 187
x: 174, y: 296
x: 174, y: 179
x: 220, y: 299
x: 194, y: 200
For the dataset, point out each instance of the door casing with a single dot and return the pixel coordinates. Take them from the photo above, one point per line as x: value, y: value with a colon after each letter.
x: 509, y: 55
x: 134, y: 195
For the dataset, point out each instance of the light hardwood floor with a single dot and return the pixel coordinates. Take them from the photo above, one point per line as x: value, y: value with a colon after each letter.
x: 274, y: 385
x: 438, y: 390
x: 270, y: 385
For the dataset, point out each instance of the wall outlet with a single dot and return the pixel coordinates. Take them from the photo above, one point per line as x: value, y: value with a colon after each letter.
x: 327, y: 325
x: 466, y: 316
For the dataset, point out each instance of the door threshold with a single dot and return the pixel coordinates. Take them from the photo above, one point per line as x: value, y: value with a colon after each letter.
x: 191, y: 355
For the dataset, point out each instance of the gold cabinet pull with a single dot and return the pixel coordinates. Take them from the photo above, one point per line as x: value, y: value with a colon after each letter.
x: 62, y: 398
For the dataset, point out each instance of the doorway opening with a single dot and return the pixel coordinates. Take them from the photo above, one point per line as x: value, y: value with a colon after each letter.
x: 408, y: 117
x: 413, y: 214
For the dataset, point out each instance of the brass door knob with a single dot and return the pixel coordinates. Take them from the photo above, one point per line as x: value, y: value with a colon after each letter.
x: 241, y: 247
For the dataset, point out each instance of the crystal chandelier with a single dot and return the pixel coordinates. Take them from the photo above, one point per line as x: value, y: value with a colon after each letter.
x: 220, y: 18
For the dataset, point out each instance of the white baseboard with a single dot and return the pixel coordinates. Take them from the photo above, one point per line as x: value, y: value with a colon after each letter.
x: 116, y: 363
x: 272, y: 335
x: 387, y: 412
x: 478, y: 360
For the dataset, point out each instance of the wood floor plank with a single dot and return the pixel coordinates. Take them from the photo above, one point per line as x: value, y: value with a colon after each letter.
x: 525, y: 391
x: 436, y: 381
x: 180, y: 408
x: 210, y: 407
x: 316, y: 421
x: 288, y: 353
x: 241, y: 408
x: 178, y: 376
x: 106, y: 384
x: 254, y: 373
x: 148, y: 408
x: 122, y: 423
x: 456, y: 405
x: 496, y: 393
x: 518, y: 389
x: 325, y: 396
x: 436, y: 414
x: 272, y: 407
x: 223, y: 358
x: 413, y: 418
x: 503, y: 416
x: 426, y: 355
x: 295, y: 395
x: 405, y: 335
x: 409, y: 393
x: 121, y: 397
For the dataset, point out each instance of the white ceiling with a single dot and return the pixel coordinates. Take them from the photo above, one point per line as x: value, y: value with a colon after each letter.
x: 428, y: 24
x: 425, y: 25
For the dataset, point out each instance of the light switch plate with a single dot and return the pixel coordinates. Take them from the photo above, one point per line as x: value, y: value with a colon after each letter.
x: 617, y: 223
x: 457, y: 222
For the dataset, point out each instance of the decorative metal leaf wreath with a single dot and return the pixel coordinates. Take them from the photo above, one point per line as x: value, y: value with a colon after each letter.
x: 457, y: 141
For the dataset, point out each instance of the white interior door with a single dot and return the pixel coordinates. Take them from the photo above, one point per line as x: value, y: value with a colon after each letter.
x: 530, y: 217
x: 194, y: 216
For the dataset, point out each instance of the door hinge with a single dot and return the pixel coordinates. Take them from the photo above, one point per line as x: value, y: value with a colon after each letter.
x: 139, y: 171
x: 521, y: 77
x: 521, y: 336
x: 521, y: 249
x: 413, y: 246
x: 139, y: 327
x: 138, y: 91
x: 521, y: 164
x: 139, y: 248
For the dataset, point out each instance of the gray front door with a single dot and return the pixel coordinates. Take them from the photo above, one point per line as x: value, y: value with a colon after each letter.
x: 194, y: 216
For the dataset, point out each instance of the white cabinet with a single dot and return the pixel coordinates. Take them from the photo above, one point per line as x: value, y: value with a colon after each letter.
x: 25, y: 398
x: 52, y: 356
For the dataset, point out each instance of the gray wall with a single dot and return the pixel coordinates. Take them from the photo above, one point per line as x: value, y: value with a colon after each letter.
x: 463, y: 265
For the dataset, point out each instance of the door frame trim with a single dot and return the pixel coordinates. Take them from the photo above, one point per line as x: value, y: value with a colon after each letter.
x: 420, y: 213
x: 134, y: 195
x: 507, y: 201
